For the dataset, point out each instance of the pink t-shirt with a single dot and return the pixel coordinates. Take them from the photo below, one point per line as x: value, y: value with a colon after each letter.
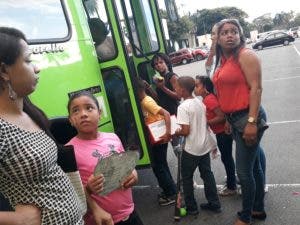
x: 118, y: 203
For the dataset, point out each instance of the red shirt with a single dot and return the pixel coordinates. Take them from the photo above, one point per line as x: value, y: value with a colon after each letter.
x: 211, y: 103
x: 231, y: 86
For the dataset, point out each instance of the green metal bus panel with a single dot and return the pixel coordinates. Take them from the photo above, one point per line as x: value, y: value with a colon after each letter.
x: 73, y: 68
x: 70, y: 63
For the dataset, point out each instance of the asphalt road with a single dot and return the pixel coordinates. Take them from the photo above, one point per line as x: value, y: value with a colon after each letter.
x: 281, y: 100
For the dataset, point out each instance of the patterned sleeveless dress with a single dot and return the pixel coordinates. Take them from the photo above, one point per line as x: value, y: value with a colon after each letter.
x: 29, y: 174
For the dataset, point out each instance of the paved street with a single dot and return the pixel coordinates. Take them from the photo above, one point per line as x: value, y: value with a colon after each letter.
x: 281, y: 97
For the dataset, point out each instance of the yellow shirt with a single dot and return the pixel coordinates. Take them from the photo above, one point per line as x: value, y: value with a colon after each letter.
x: 150, y: 110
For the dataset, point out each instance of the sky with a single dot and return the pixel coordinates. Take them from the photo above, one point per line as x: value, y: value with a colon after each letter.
x: 254, y: 8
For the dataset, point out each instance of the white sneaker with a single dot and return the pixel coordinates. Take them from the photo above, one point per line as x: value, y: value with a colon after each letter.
x: 266, y: 189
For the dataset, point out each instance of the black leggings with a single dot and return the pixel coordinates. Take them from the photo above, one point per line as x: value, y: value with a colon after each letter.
x: 133, y: 219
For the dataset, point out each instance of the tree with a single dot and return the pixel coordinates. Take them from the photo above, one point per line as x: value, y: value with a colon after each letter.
x: 297, y: 20
x: 206, y: 18
x: 282, y: 20
x: 264, y: 23
x: 180, y: 28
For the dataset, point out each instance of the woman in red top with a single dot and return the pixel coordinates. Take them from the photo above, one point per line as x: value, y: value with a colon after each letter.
x: 216, y: 120
x: 238, y: 85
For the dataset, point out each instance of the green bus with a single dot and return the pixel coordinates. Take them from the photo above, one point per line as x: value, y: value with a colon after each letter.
x: 94, y: 45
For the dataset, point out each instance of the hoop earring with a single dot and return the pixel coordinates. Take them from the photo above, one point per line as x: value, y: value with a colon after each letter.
x: 11, y: 93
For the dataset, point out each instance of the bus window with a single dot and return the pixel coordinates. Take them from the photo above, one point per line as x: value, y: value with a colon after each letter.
x: 120, y: 107
x: 143, y: 33
x: 125, y: 30
x: 41, y: 21
x: 146, y: 72
x: 100, y: 29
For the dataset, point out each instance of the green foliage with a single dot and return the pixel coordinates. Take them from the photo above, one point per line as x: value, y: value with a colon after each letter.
x: 206, y: 18
x: 203, y: 20
x: 281, y: 20
x: 297, y: 20
x: 178, y: 29
x: 263, y: 23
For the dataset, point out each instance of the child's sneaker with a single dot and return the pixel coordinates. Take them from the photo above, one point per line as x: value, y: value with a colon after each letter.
x: 239, y: 189
x: 266, y: 189
x: 211, y: 207
x: 192, y: 212
x: 225, y: 191
x: 164, y: 200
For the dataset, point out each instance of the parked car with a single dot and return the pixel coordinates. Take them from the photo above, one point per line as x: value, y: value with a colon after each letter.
x: 183, y: 56
x: 199, y: 53
x: 274, y: 38
x: 294, y: 31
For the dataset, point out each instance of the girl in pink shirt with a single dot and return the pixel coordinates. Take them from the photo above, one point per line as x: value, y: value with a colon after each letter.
x: 89, y: 144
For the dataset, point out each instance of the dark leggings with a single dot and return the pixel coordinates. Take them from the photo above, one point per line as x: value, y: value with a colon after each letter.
x: 134, y: 219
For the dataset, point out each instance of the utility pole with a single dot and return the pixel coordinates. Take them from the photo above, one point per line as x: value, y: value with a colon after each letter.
x: 171, y: 10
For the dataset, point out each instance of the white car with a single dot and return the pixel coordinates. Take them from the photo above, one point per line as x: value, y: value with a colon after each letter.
x: 294, y: 31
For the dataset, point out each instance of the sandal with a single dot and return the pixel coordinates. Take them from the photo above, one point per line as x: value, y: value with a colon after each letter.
x: 239, y: 222
x: 256, y: 215
x: 259, y: 215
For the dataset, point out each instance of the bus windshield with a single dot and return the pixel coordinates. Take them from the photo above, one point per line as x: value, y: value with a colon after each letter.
x: 41, y: 21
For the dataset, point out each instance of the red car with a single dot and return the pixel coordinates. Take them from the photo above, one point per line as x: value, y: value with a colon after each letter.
x: 199, y: 54
x: 183, y: 56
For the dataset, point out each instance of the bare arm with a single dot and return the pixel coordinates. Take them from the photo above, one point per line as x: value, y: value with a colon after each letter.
x: 101, y: 217
x: 149, y: 90
x: 171, y: 94
x: 24, y: 215
x: 210, y: 59
x: 251, y: 67
x: 95, y: 184
x: 167, y: 136
x: 219, y: 118
x: 131, y: 180
x: 184, y: 131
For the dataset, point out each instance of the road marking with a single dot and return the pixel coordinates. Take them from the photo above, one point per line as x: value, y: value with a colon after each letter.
x: 282, y: 78
x: 201, y: 186
x: 296, y: 50
x: 282, y: 122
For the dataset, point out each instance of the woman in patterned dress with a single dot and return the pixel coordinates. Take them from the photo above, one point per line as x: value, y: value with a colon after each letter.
x: 36, y: 187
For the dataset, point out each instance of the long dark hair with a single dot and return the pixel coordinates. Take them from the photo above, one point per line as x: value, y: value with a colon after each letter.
x: 219, y: 51
x: 165, y: 58
x: 10, y: 50
x: 10, y: 47
x: 207, y: 83
x: 37, y: 115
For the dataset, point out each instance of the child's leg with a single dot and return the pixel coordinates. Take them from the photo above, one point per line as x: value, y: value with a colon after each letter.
x: 134, y: 219
x: 161, y: 169
x: 209, y: 182
x: 188, y: 165
x: 225, y: 146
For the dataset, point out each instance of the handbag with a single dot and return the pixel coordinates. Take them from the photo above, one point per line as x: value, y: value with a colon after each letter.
x: 240, y: 120
x: 67, y: 161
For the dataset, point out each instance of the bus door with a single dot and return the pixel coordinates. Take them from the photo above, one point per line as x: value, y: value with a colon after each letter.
x: 126, y: 34
x: 142, y: 37
x: 142, y: 31
x: 112, y: 52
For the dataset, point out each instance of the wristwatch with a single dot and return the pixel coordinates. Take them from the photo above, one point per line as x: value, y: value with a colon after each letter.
x: 251, y: 120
